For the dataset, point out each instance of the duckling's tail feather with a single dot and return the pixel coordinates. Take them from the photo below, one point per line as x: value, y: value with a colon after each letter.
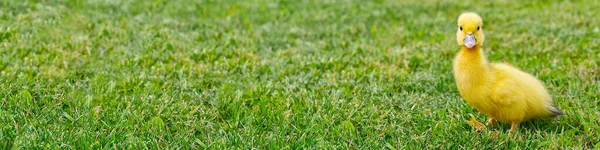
x: 555, y: 111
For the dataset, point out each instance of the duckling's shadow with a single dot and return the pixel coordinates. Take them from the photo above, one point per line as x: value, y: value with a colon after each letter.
x: 548, y: 125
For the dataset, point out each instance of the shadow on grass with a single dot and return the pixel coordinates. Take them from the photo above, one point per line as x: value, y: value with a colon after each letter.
x: 548, y: 125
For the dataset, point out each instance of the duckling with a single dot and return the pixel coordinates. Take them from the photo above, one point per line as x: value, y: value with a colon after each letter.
x: 500, y: 91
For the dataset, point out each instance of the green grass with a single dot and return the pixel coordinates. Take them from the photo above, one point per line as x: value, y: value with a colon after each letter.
x: 283, y: 74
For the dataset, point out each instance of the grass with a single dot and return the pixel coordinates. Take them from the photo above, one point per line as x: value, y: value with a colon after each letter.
x: 279, y: 74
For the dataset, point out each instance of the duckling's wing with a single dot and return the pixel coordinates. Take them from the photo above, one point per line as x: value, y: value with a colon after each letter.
x: 506, y: 93
x: 507, y: 90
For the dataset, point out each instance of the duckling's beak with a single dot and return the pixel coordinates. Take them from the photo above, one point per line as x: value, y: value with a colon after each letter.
x: 470, y: 41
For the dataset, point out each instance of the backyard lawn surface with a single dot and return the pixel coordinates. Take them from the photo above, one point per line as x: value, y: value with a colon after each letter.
x: 283, y: 74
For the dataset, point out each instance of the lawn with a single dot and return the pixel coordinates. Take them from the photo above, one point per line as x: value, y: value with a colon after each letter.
x: 283, y: 74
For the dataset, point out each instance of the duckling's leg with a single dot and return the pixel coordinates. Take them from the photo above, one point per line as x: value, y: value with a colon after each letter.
x: 513, y: 126
x: 490, y: 122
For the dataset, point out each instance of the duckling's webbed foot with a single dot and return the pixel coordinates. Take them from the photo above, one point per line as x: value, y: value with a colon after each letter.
x: 476, y: 124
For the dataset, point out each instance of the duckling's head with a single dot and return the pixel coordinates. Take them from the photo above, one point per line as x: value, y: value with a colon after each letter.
x: 470, y: 30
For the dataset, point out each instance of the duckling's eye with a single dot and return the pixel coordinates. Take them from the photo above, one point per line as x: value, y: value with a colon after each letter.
x: 477, y: 28
x: 460, y: 27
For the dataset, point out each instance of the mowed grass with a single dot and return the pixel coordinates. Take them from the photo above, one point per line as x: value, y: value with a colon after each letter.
x: 279, y: 74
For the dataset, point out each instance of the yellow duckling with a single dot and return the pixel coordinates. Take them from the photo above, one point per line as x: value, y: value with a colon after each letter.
x: 499, y: 91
